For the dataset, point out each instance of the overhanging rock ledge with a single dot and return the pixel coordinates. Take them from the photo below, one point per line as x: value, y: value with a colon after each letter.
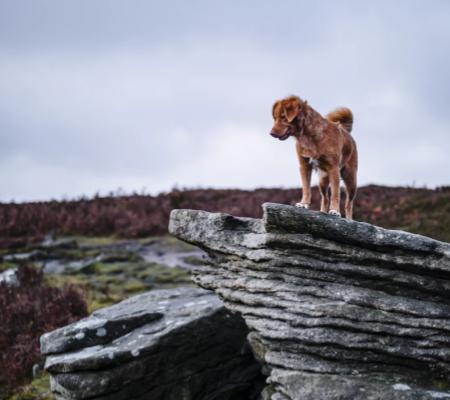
x: 337, y: 309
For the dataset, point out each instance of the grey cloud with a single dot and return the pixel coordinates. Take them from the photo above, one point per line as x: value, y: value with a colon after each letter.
x: 96, y: 95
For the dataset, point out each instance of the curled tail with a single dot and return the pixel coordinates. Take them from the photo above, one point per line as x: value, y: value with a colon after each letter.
x: 343, y: 116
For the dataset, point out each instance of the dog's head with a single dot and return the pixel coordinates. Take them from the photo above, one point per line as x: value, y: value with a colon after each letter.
x: 285, y: 113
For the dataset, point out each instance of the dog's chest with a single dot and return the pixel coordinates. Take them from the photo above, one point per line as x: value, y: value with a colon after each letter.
x: 314, y: 163
x: 308, y: 152
x: 307, y: 148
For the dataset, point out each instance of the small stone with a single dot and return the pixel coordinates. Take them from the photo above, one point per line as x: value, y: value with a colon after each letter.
x: 401, y: 386
x: 37, y: 370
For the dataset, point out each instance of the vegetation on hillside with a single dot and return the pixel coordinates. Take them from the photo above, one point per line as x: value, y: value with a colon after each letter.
x: 423, y: 211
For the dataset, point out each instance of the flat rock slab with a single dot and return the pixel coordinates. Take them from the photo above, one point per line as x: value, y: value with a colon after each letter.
x: 337, y: 309
x: 166, y: 344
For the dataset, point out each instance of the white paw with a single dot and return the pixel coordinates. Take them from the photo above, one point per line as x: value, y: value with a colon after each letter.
x: 302, y: 205
x: 334, y: 212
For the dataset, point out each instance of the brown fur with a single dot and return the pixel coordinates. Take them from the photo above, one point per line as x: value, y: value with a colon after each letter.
x: 343, y: 116
x: 328, y: 142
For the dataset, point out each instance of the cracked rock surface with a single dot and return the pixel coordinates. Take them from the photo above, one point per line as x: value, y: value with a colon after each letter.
x: 336, y: 309
x: 164, y: 344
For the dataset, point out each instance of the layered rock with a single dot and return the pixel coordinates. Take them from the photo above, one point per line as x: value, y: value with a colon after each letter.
x: 164, y: 344
x: 337, y: 309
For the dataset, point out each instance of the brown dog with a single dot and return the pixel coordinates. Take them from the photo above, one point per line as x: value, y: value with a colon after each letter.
x: 324, y: 143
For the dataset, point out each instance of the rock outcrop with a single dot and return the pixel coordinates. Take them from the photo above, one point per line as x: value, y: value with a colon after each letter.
x: 164, y: 344
x: 337, y: 309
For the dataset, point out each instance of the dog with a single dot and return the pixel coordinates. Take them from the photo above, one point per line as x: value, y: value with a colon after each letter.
x: 324, y: 143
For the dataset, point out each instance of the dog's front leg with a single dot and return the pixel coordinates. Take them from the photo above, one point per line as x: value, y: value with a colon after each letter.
x: 305, y: 173
x: 335, y: 191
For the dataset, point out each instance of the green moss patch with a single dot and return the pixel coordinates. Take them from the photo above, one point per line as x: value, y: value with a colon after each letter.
x: 38, y: 389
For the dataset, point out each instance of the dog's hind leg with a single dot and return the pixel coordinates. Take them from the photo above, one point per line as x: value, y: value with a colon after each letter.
x: 324, y: 188
x: 349, y: 178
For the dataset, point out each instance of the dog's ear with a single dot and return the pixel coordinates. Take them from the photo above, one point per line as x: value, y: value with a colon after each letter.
x: 291, y: 110
x: 275, y: 106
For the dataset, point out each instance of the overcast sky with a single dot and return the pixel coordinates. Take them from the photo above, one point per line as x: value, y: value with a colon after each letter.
x: 144, y: 95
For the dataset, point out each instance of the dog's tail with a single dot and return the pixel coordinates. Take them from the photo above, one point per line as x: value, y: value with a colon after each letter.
x: 343, y: 116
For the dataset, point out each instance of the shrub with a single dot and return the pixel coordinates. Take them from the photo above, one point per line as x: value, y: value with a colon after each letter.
x: 27, y: 310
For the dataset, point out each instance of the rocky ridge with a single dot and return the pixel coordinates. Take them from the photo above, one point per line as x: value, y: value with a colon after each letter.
x: 336, y: 309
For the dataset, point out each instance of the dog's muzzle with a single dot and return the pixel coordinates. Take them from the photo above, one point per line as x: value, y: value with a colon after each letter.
x: 282, y: 137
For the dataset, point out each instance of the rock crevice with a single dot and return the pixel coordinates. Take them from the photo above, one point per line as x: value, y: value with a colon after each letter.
x: 336, y: 308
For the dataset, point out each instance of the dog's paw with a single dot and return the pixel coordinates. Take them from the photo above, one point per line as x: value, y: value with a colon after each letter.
x: 334, y: 212
x: 302, y: 205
